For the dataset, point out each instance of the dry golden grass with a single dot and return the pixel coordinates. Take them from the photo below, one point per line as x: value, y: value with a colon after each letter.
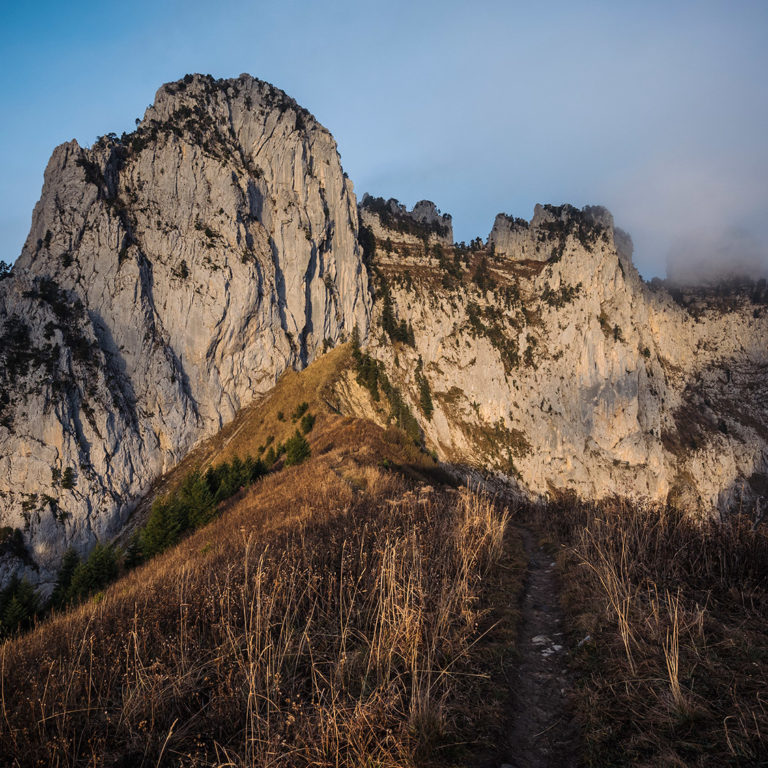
x: 254, y: 426
x: 675, y: 671
x: 328, y: 618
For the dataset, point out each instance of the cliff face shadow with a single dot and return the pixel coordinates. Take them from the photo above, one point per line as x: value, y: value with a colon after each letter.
x: 120, y: 385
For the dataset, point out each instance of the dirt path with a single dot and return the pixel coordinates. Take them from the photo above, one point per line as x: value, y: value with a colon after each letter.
x: 543, y: 734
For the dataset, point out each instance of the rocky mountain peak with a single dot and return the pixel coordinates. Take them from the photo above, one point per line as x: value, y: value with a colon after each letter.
x: 423, y: 222
x: 427, y: 212
x: 556, y: 230
x: 169, y: 277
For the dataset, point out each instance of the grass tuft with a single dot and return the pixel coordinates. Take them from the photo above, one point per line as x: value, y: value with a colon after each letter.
x: 670, y: 617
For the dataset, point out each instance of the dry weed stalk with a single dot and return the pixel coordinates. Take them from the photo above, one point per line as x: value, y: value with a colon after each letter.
x: 611, y: 573
x: 325, y: 639
x: 672, y: 652
x: 688, y: 610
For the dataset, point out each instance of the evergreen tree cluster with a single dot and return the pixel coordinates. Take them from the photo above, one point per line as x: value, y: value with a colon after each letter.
x: 371, y: 375
x: 194, y: 503
x: 450, y: 267
x: 561, y: 296
x: 80, y: 578
x: 19, y: 605
x: 482, y: 275
x: 306, y: 423
x: 12, y: 543
x: 296, y: 449
x: 490, y: 322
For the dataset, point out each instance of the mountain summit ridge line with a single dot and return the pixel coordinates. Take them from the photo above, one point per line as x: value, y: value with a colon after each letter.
x: 172, y: 274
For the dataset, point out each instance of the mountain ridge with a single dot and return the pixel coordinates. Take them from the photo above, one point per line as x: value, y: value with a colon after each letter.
x: 670, y: 403
x: 171, y: 276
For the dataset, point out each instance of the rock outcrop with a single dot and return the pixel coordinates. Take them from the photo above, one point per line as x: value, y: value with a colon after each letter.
x: 420, y: 228
x: 547, y: 357
x: 515, y: 238
x: 169, y: 277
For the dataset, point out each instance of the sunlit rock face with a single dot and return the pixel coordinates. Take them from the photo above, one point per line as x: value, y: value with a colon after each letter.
x: 422, y: 227
x: 172, y: 274
x: 560, y: 367
x: 169, y: 277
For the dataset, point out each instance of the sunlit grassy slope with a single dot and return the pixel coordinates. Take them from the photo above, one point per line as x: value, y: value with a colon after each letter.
x: 266, y: 421
x: 330, y: 615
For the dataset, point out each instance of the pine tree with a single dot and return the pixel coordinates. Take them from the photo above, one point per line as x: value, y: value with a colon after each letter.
x: 296, y: 450
x: 307, y: 422
x: 356, y: 353
x: 425, y: 396
x: 69, y: 562
x: 19, y: 605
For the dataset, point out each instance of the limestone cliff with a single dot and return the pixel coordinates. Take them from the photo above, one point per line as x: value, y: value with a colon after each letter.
x: 420, y: 228
x: 546, y: 356
x: 169, y: 277
x: 172, y: 274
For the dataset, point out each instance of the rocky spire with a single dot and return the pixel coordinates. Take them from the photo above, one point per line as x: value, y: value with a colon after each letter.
x: 169, y: 277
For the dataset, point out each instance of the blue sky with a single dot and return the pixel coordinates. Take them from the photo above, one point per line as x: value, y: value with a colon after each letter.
x: 658, y: 110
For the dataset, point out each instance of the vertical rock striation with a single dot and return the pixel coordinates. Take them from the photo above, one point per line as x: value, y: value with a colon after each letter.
x: 169, y: 277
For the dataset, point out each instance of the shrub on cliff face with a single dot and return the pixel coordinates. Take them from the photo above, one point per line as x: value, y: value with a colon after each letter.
x: 367, y: 242
x: 12, y: 543
x: 560, y: 297
x: 425, y: 395
x: 401, y: 330
x: 482, y: 276
x: 68, y: 480
x: 491, y: 323
x: 370, y: 374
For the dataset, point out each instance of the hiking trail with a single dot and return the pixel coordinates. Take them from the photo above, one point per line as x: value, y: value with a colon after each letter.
x: 543, y: 732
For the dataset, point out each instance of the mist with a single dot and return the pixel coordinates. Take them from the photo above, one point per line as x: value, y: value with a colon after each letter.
x: 703, y: 259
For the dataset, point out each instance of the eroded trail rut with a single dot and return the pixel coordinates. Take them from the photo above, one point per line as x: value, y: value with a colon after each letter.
x: 543, y: 733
